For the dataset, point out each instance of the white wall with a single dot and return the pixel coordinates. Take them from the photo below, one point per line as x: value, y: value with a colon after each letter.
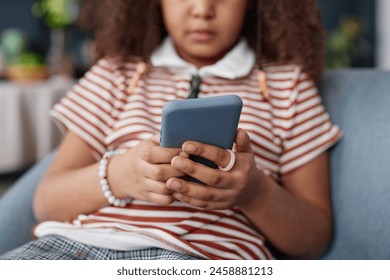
x: 383, y: 34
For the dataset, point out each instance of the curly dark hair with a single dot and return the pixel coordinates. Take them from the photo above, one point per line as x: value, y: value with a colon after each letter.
x: 279, y: 31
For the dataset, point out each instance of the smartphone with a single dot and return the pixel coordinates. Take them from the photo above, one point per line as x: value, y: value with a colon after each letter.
x: 210, y: 120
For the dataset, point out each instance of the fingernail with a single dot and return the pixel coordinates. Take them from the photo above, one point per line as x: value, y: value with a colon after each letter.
x: 184, y: 154
x: 174, y: 185
x: 189, y: 148
x: 178, y: 163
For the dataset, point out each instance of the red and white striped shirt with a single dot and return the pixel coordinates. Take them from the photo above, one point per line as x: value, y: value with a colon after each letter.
x: 288, y: 130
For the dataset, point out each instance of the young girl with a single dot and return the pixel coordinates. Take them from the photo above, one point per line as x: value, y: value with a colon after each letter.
x: 113, y: 193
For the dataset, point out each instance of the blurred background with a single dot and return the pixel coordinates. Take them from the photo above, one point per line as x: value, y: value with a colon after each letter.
x: 37, y: 32
x: 40, y: 28
x: 43, y: 52
x: 42, y: 32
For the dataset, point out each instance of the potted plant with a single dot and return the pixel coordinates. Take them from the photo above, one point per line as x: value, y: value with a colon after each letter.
x: 57, y: 15
x: 21, y: 64
x: 345, y: 43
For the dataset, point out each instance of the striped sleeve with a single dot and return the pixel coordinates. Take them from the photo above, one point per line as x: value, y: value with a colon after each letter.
x: 309, y: 128
x: 86, y: 109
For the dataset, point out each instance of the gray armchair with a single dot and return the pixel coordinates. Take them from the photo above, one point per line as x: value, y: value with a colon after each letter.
x: 359, y: 102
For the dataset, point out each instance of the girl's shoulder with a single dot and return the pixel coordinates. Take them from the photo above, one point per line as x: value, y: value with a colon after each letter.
x: 287, y: 71
x: 288, y: 84
x: 118, y: 63
x: 287, y: 76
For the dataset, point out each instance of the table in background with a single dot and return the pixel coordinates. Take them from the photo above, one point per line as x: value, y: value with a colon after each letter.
x: 26, y: 131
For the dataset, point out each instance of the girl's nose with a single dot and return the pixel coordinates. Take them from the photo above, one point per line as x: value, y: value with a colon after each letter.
x: 203, y: 8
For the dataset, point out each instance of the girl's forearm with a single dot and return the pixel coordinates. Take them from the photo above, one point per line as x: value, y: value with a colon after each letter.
x: 64, y: 195
x: 292, y: 225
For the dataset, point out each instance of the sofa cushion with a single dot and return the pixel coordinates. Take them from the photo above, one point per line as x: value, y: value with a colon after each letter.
x: 359, y: 102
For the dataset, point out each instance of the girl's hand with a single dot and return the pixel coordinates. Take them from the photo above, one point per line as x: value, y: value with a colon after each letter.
x: 142, y: 172
x: 222, y: 190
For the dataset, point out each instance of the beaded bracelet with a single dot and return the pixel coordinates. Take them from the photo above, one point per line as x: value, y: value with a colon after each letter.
x: 104, y: 182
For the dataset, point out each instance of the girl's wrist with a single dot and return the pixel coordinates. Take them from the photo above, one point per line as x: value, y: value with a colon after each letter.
x: 257, y: 194
x: 116, y: 176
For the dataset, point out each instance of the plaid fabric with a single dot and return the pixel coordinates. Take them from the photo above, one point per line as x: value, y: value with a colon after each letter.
x: 61, y: 248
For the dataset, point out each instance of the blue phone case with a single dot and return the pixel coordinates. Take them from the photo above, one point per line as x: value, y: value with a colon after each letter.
x: 211, y: 120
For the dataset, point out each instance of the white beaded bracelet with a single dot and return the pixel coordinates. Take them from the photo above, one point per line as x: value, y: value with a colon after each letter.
x: 104, y: 182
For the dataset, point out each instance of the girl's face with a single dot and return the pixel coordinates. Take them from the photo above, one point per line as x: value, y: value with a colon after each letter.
x: 203, y: 31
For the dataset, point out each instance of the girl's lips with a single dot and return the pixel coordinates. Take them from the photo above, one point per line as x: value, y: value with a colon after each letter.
x: 201, y: 35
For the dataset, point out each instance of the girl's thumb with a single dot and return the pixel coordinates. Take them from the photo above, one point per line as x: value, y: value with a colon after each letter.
x: 242, y: 142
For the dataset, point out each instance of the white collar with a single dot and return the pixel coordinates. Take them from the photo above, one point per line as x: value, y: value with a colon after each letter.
x: 237, y: 63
